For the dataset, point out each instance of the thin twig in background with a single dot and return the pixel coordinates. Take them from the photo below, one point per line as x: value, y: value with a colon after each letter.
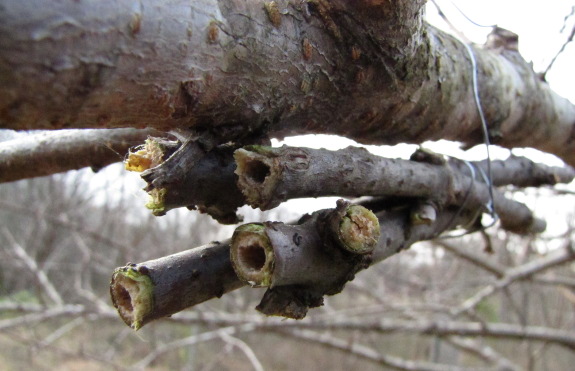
x: 32, y: 266
x: 244, y: 347
x: 558, y: 257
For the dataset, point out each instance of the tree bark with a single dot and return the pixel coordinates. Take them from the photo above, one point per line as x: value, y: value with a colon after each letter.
x: 370, y: 71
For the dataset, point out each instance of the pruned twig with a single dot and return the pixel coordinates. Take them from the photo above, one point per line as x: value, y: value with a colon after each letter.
x: 269, y: 176
x: 161, y: 287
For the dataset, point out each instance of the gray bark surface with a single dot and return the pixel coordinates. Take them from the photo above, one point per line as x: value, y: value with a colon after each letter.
x: 370, y: 71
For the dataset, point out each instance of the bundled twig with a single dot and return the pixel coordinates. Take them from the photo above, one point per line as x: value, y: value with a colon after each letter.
x: 269, y: 176
x: 416, y: 200
x: 158, y: 288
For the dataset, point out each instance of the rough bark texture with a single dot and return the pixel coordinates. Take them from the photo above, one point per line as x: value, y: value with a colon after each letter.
x: 371, y: 71
x: 56, y: 152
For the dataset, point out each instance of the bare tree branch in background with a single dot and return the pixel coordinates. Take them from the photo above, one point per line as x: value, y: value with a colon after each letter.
x: 32, y: 266
x: 557, y: 257
x: 55, y: 152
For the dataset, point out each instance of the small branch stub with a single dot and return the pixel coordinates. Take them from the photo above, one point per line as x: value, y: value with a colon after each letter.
x: 357, y: 230
x: 160, y: 287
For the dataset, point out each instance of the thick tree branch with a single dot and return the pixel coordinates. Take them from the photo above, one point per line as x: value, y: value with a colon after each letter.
x: 49, y: 153
x: 371, y: 71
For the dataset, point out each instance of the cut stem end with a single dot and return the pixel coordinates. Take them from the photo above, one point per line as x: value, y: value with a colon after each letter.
x: 359, y: 230
x: 131, y: 293
x: 252, y: 255
x: 256, y: 175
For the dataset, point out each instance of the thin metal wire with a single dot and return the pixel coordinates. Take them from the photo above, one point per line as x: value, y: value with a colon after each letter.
x: 470, y: 20
x: 462, y: 206
x: 488, y: 180
x: 569, y: 39
x: 491, y: 204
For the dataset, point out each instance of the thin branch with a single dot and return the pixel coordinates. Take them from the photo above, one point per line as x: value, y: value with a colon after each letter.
x: 250, y: 323
x: 499, y: 270
x: 65, y: 352
x: 191, y: 340
x: 45, y: 314
x: 46, y: 217
x: 269, y: 176
x: 472, y: 258
x: 61, y: 331
x: 553, y: 280
x: 55, y: 152
x: 484, y: 352
x: 557, y: 257
x: 31, y: 264
x: 370, y: 354
x: 244, y: 347
x: 161, y: 287
x: 505, y: 331
x: 569, y: 39
x: 444, y: 328
x: 455, y: 30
